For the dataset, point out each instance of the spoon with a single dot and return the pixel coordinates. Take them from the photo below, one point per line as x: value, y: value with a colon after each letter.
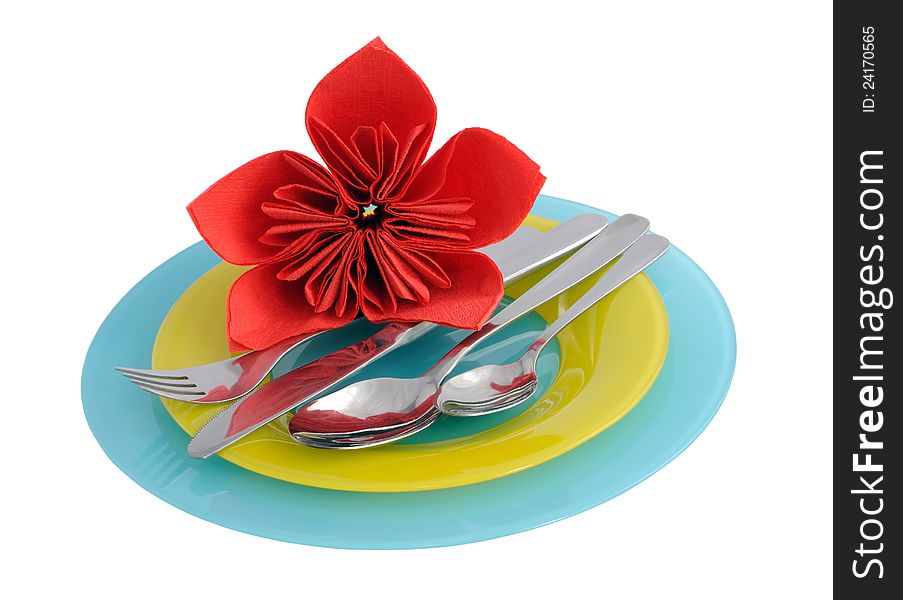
x: 491, y: 388
x: 380, y: 410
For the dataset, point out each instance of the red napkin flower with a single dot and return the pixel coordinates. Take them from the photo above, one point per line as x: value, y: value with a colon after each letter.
x: 378, y: 232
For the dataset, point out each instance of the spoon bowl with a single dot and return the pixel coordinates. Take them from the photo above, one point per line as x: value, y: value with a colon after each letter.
x: 487, y: 385
x: 491, y: 388
x: 373, y: 405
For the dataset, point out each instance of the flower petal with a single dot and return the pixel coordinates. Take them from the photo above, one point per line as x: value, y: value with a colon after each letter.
x: 348, y: 167
x: 263, y: 309
x: 228, y: 214
x: 432, y: 222
x: 372, y: 88
x: 299, y: 209
x: 331, y: 283
x: 476, y: 290
x: 501, y: 181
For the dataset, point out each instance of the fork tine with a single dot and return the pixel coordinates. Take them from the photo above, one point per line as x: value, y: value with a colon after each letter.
x: 170, y: 394
x: 163, y: 383
x: 152, y: 373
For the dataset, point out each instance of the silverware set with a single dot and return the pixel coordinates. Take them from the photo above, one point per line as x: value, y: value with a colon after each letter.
x: 383, y: 410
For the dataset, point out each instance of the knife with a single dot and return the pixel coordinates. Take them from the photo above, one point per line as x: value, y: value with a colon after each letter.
x: 304, y: 384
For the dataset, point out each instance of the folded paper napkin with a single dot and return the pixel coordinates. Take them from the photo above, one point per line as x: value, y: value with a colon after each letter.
x: 377, y: 231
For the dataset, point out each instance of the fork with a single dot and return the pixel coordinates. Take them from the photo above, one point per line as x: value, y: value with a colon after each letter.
x: 234, y: 377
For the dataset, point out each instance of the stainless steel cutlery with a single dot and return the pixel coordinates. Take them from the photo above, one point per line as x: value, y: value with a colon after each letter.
x: 383, y: 410
x: 491, y: 388
x: 386, y: 409
x: 307, y: 382
x: 232, y: 378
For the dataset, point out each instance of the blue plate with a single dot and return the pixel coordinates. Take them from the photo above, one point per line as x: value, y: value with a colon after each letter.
x: 141, y: 439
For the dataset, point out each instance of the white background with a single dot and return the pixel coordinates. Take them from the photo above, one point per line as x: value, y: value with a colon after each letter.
x: 713, y: 119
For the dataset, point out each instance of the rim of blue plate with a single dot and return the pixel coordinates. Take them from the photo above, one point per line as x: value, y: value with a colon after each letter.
x: 140, y: 438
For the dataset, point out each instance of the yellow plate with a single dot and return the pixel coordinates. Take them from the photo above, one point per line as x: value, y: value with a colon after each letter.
x: 609, y: 358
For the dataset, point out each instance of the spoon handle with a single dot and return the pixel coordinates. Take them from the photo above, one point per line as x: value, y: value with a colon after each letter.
x: 640, y: 255
x: 600, y: 251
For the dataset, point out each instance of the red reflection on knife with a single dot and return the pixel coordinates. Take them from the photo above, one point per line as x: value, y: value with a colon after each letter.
x: 254, y: 367
x: 305, y: 382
